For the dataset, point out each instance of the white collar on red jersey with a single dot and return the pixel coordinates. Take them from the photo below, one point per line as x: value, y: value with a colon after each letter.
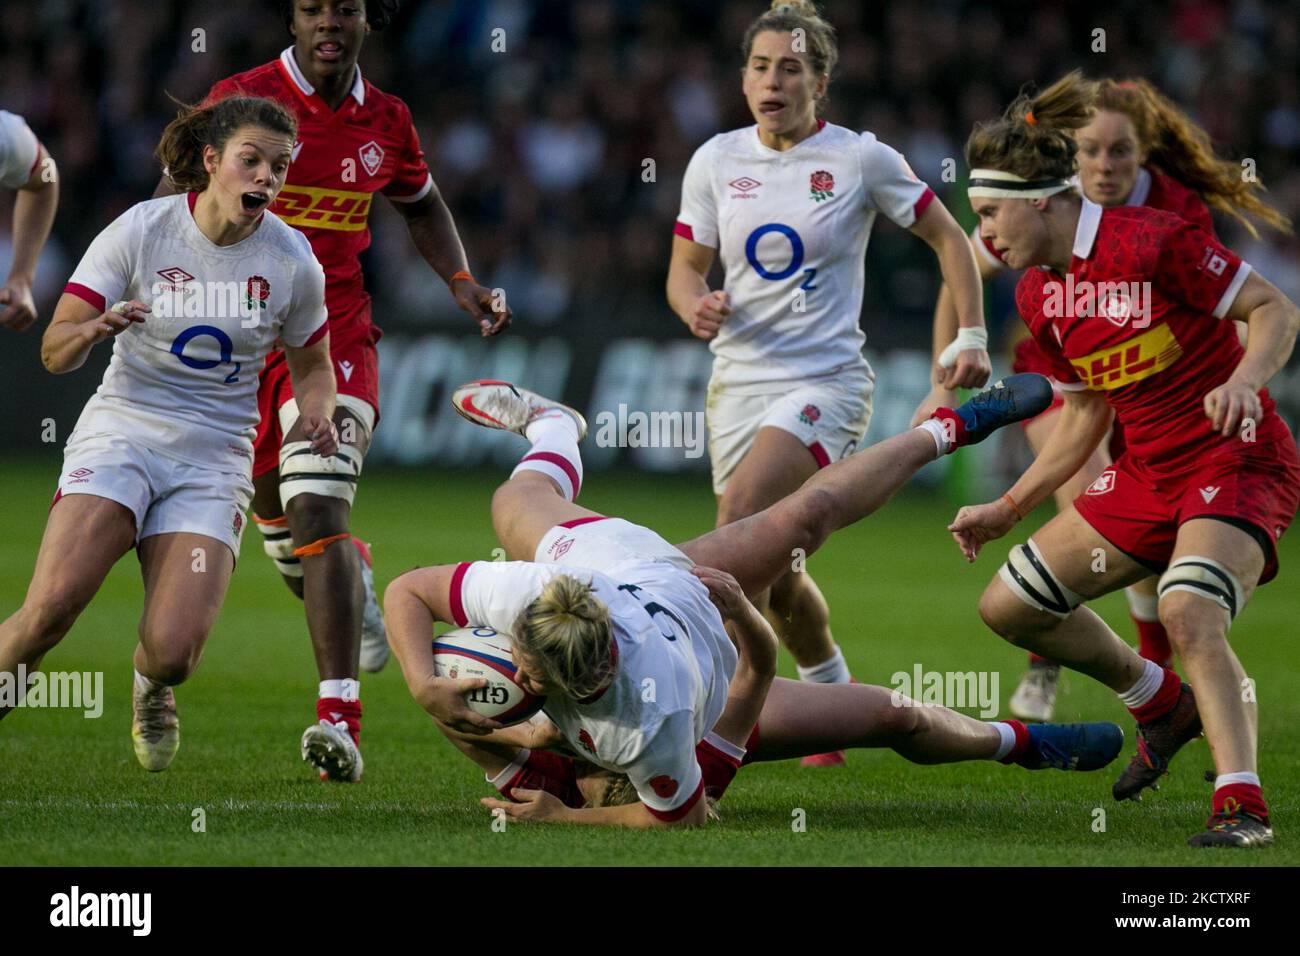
x: 1086, y: 232
x: 358, y: 91
x: 1141, y: 188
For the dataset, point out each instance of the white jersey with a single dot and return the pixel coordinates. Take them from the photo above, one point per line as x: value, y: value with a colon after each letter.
x: 674, y: 663
x: 791, y: 228
x: 18, y: 150
x: 184, y: 381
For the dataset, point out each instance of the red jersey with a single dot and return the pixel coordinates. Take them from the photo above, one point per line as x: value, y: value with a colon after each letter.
x: 342, y: 158
x: 1154, y: 358
x: 1152, y: 189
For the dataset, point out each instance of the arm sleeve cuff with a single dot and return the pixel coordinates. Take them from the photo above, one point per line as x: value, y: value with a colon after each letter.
x: 1230, y: 293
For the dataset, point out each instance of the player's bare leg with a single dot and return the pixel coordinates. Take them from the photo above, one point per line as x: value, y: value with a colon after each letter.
x: 316, y: 495
x: 540, y: 492
x: 1035, y: 696
x: 278, y: 542
x: 1197, y: 623
x: 1065, y: 564
x: 799, y: 718
x: 186, y: 577
x: 755, y: 550
x: 85, y: 535
x: 776, y: 465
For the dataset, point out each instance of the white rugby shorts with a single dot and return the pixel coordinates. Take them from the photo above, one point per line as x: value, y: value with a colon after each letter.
x: 165, y: 494
x: 829, y: 415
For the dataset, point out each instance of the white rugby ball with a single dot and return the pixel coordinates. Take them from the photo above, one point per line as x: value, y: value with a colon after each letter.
x: 473, y: 652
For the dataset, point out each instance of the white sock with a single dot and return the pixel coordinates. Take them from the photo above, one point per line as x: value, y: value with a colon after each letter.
x: 148, y: 685
x: 1006, y: 739
x: 344, y: 688
x: 554, y: 453
x: 935, y: 428
x: 1241, y: 776
x: 833, y: 670
x: 1153, y: 675
x: 1143, y: 607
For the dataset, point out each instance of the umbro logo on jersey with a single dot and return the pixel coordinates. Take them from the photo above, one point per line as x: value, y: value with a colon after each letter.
x: 293, y: 156
x: 1208, y: 493
x: 81, y: 473
x: 346, y: 368
x: 746, y: 187
x: 177, y: 277
x: 372, y: 157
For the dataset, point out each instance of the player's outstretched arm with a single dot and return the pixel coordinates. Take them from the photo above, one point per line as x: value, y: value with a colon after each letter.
x: 433, y: 230
x: 945, y: 335
x: 78, y: 326
x: 688, y: 289
x: 413, y: 603
x: 970, y: 366
x: 34, y: 208
x: 316, y: 391
x: 1273, y: 321
x: 756, y: 668
x: 1082, y: 424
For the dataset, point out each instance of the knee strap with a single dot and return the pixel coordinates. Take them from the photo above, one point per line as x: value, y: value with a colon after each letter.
x: 1206, y: 578
x: 278, y: 544
x: 319, y: 545
x: 302, y: 472
x: 1027, y: 575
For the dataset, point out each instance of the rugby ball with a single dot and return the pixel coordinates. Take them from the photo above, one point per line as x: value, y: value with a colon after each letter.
x: 472, y: 652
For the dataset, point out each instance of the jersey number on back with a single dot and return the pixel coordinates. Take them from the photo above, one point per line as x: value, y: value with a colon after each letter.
x: 653, y: 608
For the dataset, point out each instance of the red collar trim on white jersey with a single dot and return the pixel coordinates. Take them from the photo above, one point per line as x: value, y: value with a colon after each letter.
x: 358, y: 91
x: 1085, y: 235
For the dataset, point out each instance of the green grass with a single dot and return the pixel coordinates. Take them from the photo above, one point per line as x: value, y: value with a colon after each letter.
x: 72, y: 793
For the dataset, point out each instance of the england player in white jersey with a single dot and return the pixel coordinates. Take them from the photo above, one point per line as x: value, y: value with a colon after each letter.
x: 789, y: 205
x: 610, y: 622
x: 160, y: 459
x: 27, y: 167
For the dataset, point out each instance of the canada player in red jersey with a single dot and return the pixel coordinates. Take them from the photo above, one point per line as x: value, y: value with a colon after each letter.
x: 1130, y: 306
x: 1137, y: 149
x: 354, y: 141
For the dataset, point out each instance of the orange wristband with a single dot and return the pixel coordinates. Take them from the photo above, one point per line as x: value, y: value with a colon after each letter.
x: 1012, y: 502
x: 462, y: 274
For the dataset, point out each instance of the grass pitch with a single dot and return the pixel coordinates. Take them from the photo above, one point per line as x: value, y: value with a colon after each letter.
x: 71, y: 792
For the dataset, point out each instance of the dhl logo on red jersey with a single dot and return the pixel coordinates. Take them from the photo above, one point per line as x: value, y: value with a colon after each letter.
x: 1138, y: 358
x: 322, y: 208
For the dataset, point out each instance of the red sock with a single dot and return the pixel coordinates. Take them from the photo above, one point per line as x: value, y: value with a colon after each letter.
x: 1247, y: 797
x: 335, y: 709
x: 1021, y: 746
x: 954, y: 429
x: 1153, y: 642
x: 1163, y: 702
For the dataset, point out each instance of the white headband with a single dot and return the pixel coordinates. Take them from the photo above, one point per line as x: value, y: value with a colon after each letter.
x: 996, y: 184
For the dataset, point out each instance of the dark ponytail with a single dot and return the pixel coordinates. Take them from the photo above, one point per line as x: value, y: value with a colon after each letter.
x: 180, y: 149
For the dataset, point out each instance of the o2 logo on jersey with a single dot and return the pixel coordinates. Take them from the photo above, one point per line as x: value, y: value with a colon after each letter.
x: 224, y: 344
x: 796, y: 255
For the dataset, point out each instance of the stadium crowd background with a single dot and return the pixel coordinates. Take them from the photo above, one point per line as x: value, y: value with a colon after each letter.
x: 541, y: 148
